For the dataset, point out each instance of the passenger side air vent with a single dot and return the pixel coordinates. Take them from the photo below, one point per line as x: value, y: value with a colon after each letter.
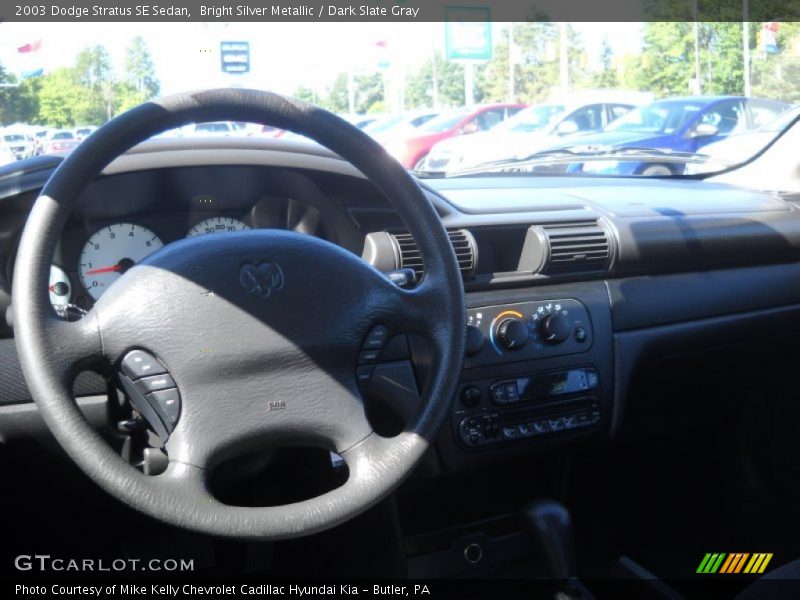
x: 569, y: 247
x: 576, y: 247
x: 389, y: 251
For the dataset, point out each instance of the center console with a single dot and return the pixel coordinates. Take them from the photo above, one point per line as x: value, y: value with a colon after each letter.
x: 538, y: 371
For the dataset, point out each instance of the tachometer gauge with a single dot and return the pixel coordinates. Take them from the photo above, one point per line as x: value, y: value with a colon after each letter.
x: 59, y: 286
x: 113, y: 250
x: 217, y: 225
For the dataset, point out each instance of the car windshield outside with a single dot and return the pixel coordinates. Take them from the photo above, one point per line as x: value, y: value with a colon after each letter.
x: 444, y: 122
x: 535, y: 118
x: 653, y: 87
x: 661, y: 117
x: 14, y: 138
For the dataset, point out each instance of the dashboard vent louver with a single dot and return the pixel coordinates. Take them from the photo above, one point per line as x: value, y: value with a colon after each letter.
x: 463, y: 245
x: 576, y: 247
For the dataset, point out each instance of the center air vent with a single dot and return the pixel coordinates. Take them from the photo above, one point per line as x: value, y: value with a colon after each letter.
x: 388, y: 251
x: 568, y: 247
x: 576, y: 247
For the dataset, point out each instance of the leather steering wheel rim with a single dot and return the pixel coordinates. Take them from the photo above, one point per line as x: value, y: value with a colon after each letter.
x: 53, y: 351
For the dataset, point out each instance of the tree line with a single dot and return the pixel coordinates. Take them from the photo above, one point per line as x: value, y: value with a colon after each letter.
x: 665, y: 67
x: 88, y: 93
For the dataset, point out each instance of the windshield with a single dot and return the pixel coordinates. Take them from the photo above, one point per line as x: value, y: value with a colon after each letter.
x: 661, y: 117
x: 619, y: 88
x: 444, y: 122
x: 535, y: 118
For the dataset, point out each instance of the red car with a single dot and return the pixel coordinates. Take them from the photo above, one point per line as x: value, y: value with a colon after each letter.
x: 410, y: 151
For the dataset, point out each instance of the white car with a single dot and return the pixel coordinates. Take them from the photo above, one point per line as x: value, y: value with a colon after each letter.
x: 213, y: 129
x: 6, y: 156
x: 527, y: 132
x: 19, y: 142
x: 740, y: 146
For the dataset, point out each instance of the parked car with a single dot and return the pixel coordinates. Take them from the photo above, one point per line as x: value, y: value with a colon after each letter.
x: 525, y: 133
x: 411, y: 150
x: 20, y: 143
x: 6, y: 155
x: 212, y: 129
x: 83, y: 132
x: 673, y: 125
x: 39, y: 136
x: 740, y: 146
x: 60, y: 140
x: 399, y: 124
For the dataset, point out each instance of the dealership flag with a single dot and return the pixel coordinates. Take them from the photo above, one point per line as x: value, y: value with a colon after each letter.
x: 32, y: 47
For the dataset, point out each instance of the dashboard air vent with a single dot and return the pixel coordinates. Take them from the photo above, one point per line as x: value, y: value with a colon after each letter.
x: 410, y: 258
x: 576, y: 247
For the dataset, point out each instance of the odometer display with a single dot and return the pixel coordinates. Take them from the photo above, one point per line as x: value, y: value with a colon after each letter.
x: 113, y: 250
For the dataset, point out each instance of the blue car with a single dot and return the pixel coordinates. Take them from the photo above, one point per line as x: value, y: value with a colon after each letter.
x: 674, y: 125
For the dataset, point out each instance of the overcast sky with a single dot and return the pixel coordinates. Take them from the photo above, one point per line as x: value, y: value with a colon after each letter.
x: 283, y: 55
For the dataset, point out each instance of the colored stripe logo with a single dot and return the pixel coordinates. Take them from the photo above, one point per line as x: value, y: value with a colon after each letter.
x: 734, y: 562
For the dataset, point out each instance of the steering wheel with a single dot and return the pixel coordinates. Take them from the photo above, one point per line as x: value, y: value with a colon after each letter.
x: 260, y: 331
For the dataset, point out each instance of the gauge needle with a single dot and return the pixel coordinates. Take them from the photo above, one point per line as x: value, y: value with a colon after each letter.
x: 114, y: 269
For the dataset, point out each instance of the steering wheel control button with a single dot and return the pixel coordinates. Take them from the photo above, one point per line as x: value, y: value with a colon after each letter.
x: 138, y: 363
x: 168, y: 405
x: 363, y: 376
x: 144, y: 408
x: 376, y: 339
x: 155, y: 383
x: 368, y: 357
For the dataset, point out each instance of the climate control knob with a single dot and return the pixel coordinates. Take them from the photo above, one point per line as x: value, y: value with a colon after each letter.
x: 555, y: 328
x: 512, y: 333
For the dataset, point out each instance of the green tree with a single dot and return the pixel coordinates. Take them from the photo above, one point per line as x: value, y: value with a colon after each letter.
x: 538, y: 74
x: 139, y: 83
x: 59, y: 98
x: 93, y: 73
x: 606, y: 77
x: 449, y: 80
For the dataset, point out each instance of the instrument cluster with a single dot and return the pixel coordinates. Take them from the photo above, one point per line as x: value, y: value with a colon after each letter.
x: 93, y: 254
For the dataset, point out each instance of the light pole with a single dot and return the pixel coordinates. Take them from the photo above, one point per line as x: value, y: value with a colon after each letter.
x: 746, y: 45
x: 563, y: 57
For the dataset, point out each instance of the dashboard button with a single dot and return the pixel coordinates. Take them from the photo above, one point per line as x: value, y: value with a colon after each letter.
x: 510, y: 433
x: 512, y: 393
x: 138, y: 363
x: 580, y: 335
x: 475, y: 340
x: 525, y: 430
x: 498, y: 393
x: 155, y: 383
x: 470, y: 396
x: 556, y: 424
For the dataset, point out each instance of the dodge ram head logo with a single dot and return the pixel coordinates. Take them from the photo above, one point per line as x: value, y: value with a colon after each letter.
x: 262, y: 279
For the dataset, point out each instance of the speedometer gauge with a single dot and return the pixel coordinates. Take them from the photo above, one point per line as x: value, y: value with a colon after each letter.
x: 217, y: 225
x: 113, y: 250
